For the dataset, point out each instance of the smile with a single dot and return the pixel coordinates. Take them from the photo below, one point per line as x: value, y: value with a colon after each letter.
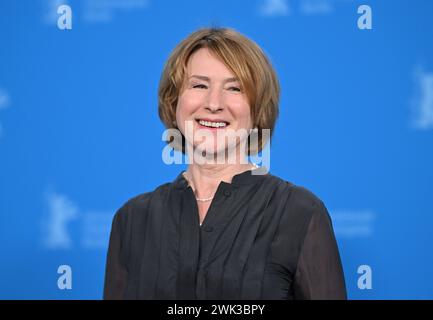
x: 212, y: 123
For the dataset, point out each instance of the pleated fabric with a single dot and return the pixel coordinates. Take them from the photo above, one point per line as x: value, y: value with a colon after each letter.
x: 262, y: 238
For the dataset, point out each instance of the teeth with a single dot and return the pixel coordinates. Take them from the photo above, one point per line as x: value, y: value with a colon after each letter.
x: 212, y: 124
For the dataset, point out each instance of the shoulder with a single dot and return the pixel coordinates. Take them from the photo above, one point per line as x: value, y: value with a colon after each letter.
x: 299, y: 195
x: 303, y: 213
x: 137, y: 206
x: 301, y: 203
x: 304, y: 199
x: 309, y: 207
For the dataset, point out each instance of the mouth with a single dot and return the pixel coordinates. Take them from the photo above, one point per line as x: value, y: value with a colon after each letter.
x: 212, y: 124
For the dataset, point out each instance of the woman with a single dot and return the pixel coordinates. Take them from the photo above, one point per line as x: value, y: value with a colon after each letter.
x: 222, y: 230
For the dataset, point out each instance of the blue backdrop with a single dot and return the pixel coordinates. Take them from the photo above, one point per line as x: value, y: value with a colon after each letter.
x: 80, y: 134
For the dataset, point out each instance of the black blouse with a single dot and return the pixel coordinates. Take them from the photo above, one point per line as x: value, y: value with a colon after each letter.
x: 262, y: 238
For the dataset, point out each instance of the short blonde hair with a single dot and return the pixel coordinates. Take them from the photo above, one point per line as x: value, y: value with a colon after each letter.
x: 243, y: 57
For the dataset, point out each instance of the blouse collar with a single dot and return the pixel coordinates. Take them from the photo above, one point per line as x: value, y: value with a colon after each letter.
x: 243, y: 178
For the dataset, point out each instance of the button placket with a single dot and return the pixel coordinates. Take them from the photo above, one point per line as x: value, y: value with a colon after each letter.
x: 215, y: 221
x: 207, y: 228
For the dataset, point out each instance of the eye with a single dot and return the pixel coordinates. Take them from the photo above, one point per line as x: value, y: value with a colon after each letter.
x: 235, y: 89
x: 199, y: 86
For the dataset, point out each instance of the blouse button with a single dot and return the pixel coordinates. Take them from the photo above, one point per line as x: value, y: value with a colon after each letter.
x: 227, y: 193
x: 208, y: 228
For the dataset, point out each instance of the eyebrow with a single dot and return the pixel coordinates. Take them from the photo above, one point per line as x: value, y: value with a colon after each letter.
x: 234, y: 79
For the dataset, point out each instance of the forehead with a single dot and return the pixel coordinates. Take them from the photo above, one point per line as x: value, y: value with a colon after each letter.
x: 204, y: 62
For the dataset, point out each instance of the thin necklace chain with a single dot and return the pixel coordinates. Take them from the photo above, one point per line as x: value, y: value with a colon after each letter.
x: 210, y: 198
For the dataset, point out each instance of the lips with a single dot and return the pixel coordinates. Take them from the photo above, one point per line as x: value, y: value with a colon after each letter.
x: 212, y: 120
x: 212, y: 123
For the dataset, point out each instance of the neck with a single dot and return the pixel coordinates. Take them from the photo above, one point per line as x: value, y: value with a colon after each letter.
x: 205, y: 179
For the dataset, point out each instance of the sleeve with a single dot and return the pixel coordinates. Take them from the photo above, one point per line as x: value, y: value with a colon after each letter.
x: 116, y: 271
x: 319, y: 273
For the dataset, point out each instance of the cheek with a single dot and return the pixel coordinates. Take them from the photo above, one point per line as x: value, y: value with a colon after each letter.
x: 181, y: 109
x: 187, y: 104
x: 242, y: 112
x: 184, y: 109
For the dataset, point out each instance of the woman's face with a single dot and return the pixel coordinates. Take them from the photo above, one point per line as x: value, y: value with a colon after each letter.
x: 211, y: 94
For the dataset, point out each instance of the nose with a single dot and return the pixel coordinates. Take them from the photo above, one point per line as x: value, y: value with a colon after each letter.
x: 214, y: 103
